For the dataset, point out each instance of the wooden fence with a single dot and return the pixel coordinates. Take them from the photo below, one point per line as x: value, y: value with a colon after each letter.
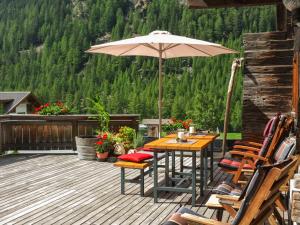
x: 37, y: 132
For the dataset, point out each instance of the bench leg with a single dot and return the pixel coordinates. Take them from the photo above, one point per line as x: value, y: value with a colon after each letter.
x: 142, y: 182
x: 150, y: 173
x: 123, y: 181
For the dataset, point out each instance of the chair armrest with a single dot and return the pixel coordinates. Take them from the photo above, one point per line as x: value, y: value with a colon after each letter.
x: 248, y: 155
x: 246, y: 148
x: 248, y: 143
x: 233, y: 198
x: 192, y: 219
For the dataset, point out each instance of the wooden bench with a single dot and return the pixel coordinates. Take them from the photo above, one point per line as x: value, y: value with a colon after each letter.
x: 139, y: 179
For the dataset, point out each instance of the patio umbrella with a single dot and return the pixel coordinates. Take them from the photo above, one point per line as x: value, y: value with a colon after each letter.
x: 163, y: 45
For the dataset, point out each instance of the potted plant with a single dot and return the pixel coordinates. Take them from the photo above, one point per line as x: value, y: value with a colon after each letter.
x: 87, y: 145
x: 57, y: 108
x: 103, y: 146
x: 124, y: 140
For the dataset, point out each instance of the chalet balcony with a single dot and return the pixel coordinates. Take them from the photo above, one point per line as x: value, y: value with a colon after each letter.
x: 60, y: 189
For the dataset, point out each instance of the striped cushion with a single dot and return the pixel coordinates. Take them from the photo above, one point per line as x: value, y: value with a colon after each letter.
x: 232, y: 164
x: 285, y: 149
x: 227, y: 188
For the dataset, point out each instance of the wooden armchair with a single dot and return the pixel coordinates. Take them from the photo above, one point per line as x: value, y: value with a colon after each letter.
x: 253, y: 141
x: 250, y: 157
x: 258, y: 204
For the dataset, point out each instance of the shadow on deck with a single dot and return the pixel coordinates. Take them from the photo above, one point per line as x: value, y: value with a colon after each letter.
x: 60, y: 189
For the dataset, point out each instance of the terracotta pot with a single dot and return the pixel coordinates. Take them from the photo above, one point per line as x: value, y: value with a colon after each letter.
x: 103, y: 155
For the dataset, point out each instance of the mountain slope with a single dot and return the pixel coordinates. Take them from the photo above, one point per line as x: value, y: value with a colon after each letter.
x: 42, y: 44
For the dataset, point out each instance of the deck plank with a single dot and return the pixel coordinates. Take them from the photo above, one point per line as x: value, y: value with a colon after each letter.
x: 60, y: 189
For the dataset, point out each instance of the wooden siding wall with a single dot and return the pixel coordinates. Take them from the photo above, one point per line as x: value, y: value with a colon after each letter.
x: 34, y: 132
x: 267, y: 80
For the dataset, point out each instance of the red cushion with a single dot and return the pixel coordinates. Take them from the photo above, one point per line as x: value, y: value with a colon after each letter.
x: 135, y: 157
x: 232, y: 164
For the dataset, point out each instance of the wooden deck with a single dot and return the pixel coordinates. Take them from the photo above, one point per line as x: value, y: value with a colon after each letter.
x: 60, y: 189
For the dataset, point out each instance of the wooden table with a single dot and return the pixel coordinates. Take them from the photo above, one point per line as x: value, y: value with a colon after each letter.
x: 203, y: 136
x: 194, y: 145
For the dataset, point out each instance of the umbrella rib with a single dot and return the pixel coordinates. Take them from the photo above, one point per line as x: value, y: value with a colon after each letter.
x: 128, y: 50
x: 170, y: 47
x: 150, y: 46
x: 199, y: 50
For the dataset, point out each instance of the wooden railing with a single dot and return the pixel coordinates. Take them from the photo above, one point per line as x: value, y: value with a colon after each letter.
x: 37, y: 132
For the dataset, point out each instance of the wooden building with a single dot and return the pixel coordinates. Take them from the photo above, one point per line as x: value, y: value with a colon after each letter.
x: 152, y: 126
x: 268, y: 67
x: 18, y: 102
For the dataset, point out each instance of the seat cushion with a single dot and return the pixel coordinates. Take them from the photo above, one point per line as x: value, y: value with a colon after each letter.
x: 135, y: 157
x: 232, y: 164
x: 228, y: 188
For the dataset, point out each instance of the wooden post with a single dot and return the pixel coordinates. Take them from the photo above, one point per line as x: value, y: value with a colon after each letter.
x: 160, y: 91
x: 1, y: 138
x: 74, y: 133
x: 235, y: 65
x: 295, y: 98
x: 281, y: 14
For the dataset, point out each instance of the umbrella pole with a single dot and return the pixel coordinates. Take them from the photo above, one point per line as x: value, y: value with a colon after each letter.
x: 160, y: 91
x: 236, y: 63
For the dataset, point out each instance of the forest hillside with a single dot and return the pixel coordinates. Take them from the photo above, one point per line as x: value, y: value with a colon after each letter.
x: 43, y: 43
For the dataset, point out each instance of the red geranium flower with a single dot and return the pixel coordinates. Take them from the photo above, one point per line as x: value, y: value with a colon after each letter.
x: 47, y: 104
x: 104, y: 137
x: 99, y: 143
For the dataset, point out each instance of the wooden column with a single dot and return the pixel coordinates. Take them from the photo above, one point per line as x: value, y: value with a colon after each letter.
x: 281, y: 20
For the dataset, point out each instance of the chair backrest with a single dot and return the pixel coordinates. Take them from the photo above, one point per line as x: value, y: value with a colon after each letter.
x: 269, y: 128
x: 262, y: 191
x: 269, y: 133
x: 283, y: 129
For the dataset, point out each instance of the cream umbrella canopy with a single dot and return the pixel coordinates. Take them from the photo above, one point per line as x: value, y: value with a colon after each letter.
x: 163, y: 45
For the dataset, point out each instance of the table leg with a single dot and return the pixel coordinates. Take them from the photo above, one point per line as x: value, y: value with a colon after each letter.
x: 212, y: 162
x: 201, y: 173
x: 205, y: 166
x: 181, y: 161
x: 155, y: 178
x: 193, y: 178
x: 166, y: 168
x: 173, y: 163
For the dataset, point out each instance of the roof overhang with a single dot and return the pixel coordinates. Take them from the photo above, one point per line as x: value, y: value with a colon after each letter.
x: 203, y: 4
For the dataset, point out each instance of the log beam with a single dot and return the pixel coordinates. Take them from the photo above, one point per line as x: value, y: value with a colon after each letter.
x: 201, y: 4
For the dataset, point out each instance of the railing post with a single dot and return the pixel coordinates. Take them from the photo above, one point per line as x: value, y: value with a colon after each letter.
x: 1, y: 139
x: 74, y: 133
x: 135, y: 121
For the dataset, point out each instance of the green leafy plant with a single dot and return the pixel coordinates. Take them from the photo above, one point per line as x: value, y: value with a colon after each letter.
x: 57, y: 108
x: 102, y: 117
x: 127, y: 135
x: 138, y: 140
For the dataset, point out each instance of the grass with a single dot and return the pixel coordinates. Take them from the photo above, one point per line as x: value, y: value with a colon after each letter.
x: 232, y: 136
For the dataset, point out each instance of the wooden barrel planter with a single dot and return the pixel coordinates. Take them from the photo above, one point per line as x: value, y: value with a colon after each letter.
x: 86, y: 148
